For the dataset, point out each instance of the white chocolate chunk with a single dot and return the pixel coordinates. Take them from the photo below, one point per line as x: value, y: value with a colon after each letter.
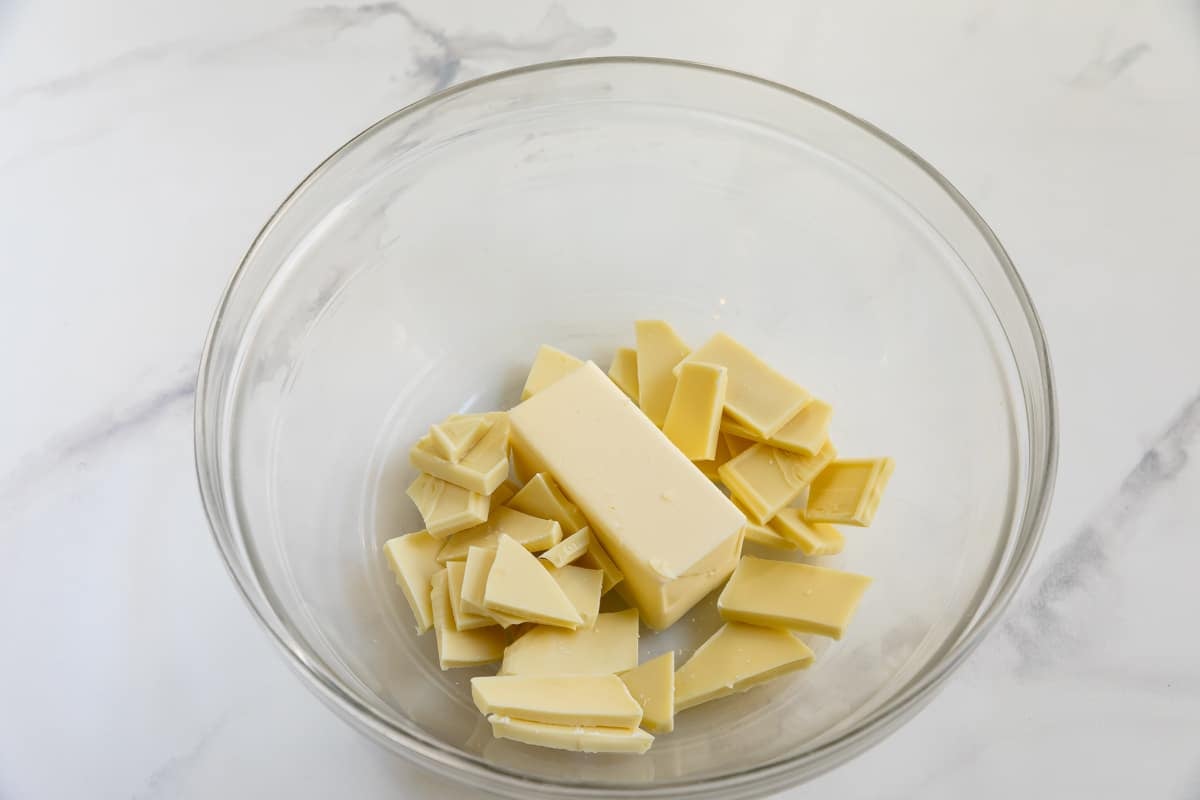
x: 482, y: 469
x: 813, y: 538
x: 533, y: 533
x: 710, y: 466
x: 413, y: 559
x: 463, y: 620
x: 558, y: 699
x: 454, y: 438
x: 736, y: 658
x: 803, y: 433
x: 760, y: 398
x: 849, y: 491
x: 736, y: 444
x: 652, y: 684
x: 764, y: 479
x: 608, y: 647
x: 446, y: 508
x: 764, y: 535
x: 460, y: 648
x: 582, y: 587
x: 522, y: 469
x: 659, y: 350
x: 586, y: 739
x: 693, y: 421
x: 624, y: 371
x: 596, y: 558
x: 478, y: 565
x: 549, y: 365
x: 504, y: 492
x: 785, y: 594
x: 541, y: 497
x: 519, y: 586
x: 570, y: 549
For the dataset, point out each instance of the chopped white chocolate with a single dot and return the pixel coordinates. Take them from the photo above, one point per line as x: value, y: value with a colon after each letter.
x: 595, y: 557
x: 541, y: 497
x: 659, y: 350
x: 764, y: 479
x: 608, y: 647
x: 504, y: 492
x: 558, y: 699
x: 533, y: 533
x: 813, y: 538
x: 736, y: 444
x: 549, y: 365
x: 413, y: 559
x: 460, y: 648
x: 478, y: 565
x: 709, y: 467
x: 764, y: 535
x: 648, y: 479
x: 523, y: 471
x: 518, y: 585
x: 785, y: 594
x: 463, y: 620
x: 624, y: 371
x: 849, y: 491
x: 734, y: 659
x: 803, y: 433
x: 582, y: 587
x: 446, y: 508
x: 652, y: 684
x: 586, y: 739
x: 693, y: 421
x: 454, y: 438
x: 760, y: 398
x: 569, y: 549
x: 482, y: 469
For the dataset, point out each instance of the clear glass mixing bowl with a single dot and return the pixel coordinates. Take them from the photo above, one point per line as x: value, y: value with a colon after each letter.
x: 415, y: 272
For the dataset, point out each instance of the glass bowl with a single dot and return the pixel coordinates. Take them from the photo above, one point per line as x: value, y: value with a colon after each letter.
x: 414, y: 273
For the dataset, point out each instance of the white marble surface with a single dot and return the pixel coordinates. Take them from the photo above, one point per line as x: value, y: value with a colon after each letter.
x: 143, y: 143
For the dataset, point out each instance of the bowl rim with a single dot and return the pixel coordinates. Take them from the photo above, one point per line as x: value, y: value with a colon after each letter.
x: 430, y: 753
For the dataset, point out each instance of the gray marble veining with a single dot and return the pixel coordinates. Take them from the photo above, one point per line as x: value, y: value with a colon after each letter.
x: 1038, y: 625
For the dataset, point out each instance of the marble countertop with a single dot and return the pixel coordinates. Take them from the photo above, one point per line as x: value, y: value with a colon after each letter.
x: 142, y: 144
